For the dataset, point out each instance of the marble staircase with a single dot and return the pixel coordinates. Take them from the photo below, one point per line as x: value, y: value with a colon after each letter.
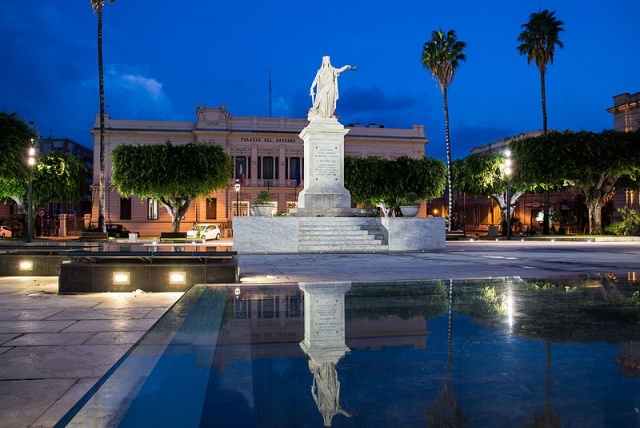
x: 334, y: 235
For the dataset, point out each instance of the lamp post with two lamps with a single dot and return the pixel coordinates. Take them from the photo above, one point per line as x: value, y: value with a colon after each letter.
x: 237, y: 187
x: 31, y: 161
x: 508, y: 170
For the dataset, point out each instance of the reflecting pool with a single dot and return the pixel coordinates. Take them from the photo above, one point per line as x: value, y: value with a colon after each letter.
x: 508, y: 352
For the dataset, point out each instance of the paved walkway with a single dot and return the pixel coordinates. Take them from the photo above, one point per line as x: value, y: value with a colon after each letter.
x: 53, y: 348
x: 461, y: 259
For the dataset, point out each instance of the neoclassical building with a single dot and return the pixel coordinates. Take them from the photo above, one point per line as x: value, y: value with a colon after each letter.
x: 626, y: 117
x: 626, y: 112
x: 267, y: 155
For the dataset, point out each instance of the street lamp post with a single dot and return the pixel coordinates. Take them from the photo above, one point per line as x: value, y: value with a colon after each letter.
x: 31, y: 161
x: 237, y: 187
x: 508, y: 171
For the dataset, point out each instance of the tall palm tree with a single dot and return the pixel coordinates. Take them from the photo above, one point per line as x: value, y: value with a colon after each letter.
x: 538, y: 42
x: 538, y: 39
x: 441, y: 56
x: 97, y: 6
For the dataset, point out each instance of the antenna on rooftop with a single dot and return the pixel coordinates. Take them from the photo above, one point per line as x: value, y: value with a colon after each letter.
x: 270, y: 93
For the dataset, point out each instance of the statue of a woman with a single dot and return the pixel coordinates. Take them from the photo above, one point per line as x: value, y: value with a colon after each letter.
x: 326, y: 83
x: 325, y: 390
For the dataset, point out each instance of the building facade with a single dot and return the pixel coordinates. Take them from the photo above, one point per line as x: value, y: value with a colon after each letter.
x: 626, y: 117
x: 478, y: 213
x: 626, y: 112
x: 267, y: 154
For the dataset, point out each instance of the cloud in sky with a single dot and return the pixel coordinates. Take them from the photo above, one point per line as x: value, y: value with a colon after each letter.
x: 133, y: 95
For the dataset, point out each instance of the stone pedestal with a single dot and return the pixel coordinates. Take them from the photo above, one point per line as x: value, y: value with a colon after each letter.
x: 324, y: 336
x: 324, y: 193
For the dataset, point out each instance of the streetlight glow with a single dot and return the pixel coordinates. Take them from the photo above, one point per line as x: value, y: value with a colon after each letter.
x: 508, y: 170
x: 31, y: 161
x: 237, y: 187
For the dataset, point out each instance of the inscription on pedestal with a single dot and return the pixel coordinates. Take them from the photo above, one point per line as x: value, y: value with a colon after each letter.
x: 326, y: 162
x: 327, y: 321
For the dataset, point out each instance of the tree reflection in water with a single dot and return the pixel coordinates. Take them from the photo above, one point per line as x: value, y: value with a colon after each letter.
x: 548, y: 418
x: 445, y: 410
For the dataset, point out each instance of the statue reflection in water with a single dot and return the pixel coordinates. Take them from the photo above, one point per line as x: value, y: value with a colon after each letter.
x: 326, y: 390
x: 324, y: 343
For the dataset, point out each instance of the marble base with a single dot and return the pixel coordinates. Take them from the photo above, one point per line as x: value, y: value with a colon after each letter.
x: 287, y: 234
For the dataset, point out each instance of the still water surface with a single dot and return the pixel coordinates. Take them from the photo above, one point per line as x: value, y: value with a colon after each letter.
x: 507, y: 352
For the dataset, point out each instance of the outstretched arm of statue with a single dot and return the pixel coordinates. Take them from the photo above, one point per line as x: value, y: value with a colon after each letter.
x: 346, y: 67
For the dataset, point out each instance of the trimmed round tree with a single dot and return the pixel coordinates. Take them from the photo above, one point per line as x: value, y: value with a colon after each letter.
x: 378, y: 180
x: 174, y: 175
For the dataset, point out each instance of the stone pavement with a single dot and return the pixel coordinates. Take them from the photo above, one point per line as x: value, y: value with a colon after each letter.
x: 461, y: 259
x: 54, y: 347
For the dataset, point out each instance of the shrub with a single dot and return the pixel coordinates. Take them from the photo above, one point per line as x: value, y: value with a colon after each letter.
x: 263, y: 197
x: 628, y: 226
x: 410, y: 198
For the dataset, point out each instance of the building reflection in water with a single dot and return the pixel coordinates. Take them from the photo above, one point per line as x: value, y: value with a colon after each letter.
x: 281, y: 321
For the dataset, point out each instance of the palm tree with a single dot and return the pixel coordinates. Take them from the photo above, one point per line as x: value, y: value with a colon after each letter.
x: 538, y: 42
x: 441, y: 56
x: 97, y: 6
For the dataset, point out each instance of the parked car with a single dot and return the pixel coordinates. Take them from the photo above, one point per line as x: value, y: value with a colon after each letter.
x: 117, y: 231
x: 204, y: 231
x: 5, y: 232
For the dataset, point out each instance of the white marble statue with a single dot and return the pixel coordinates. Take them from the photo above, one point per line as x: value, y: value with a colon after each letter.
x: 326, y: 95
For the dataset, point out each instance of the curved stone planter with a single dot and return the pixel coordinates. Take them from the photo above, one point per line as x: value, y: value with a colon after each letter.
x: 409, y: 210
x: 263, y: 210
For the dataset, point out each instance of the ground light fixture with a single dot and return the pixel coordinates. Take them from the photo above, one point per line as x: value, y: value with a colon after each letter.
x: 178, y: 277
x: 25, y: 265
x: 120, y: 278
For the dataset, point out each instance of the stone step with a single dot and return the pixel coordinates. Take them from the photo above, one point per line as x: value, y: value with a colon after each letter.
x: 335, y: 236
x: 344, y: 248
x: 330, y: 242
x: 335, y: 227
x: 331, y: 227
x: 338, y: 233
x: 334, y: 233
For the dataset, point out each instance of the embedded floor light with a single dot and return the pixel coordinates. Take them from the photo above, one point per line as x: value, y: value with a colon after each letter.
x: 121, y: 278
x: 178, y: 277
x: 25, y: 265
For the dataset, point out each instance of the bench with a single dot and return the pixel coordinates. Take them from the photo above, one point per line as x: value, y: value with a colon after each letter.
x: 456, y: 234
x: 93, y: 236
x: 173, y: 236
